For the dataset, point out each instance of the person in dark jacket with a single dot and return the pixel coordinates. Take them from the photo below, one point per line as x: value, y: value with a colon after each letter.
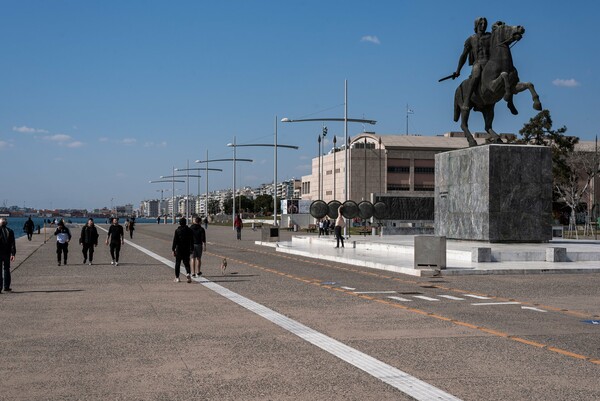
x: 199, y: 245
x: 8, y: 250
x: 238, y: 224
x: 63, y: 236
x: 89, y: 240
x: 183, y: 246
x: 28, y: 228
x: 116, y: 236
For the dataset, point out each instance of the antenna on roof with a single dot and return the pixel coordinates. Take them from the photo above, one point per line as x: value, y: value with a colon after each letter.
x: 408, y: 111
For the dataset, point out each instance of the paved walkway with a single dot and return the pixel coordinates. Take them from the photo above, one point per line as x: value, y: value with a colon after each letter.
x: 396, y: 253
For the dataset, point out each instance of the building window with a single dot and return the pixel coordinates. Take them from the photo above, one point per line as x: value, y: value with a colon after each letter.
x: 424, y: 170
x: 398, y: 187
x: 328, y: 172
x: 398, y: 169
x: 425, y: 187
x: 328, y: 192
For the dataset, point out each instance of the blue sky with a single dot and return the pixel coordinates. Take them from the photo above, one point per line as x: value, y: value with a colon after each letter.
x: 99, y: 97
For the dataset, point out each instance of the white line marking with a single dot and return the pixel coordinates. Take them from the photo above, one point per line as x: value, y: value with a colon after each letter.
x: 496, y: 303
x: 425, y: 298
x: 452, y: 297
x: 374, y: 292
x: 348, y: 288
x: 476, y: 296
x: 401, y: 299
x: 532, y: 308
x: 396, y: 378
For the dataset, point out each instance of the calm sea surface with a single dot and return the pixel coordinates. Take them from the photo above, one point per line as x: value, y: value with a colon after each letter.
x: 16, y: 223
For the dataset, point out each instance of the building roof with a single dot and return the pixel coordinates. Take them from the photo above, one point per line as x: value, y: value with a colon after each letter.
x: 418, y: 142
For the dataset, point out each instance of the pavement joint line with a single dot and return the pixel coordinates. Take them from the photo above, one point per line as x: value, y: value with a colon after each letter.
x: 405, y: 281
x: 402, y: 381
x: 440, y: 317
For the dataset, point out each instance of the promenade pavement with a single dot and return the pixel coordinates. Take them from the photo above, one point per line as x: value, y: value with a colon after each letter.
x: 129, y: 332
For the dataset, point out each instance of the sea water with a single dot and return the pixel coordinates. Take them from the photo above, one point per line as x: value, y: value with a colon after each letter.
x: 17, y: 223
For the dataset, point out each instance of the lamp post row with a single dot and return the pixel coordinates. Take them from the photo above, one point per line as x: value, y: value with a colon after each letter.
x: 275, y: 145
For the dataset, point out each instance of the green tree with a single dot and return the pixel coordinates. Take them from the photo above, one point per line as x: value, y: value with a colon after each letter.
x: 247, y: 204
x: 538, y: 131
x: 213, y: 206
x: 263, y: 204
x: 228, y: 205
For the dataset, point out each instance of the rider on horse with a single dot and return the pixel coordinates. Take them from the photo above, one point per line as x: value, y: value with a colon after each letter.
x: 477, y: 48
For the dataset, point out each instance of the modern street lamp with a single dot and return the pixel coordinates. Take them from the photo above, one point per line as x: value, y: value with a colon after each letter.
x: 201, y: 169
x: 234, y: 168
x: 334, y: 152
x: 172, y: 181
x: 346, y: 120
x: 275, y: 145
x: 187, y: 181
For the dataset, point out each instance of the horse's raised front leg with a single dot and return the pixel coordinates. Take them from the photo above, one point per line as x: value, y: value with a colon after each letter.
x: 521, y: 86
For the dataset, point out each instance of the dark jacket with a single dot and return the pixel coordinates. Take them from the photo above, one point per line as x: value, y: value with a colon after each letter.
x: 116, y: 233
x: 28, y: 227
x: 89, y: 235
x: 7, y: 245
x: 183, y: 240
x: 199, y: 234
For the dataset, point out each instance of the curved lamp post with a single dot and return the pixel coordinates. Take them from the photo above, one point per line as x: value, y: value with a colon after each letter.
x: 234, y: 162
x: 201, y: 169
x: 173, y: 181
x: 274, y: 145
x: 187, y: 181
x: 346, y: 120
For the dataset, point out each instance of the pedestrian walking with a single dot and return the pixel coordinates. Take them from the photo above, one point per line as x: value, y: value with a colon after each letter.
x: 28, y: 228
x: 199, y: 246
x: 238, y: 224
x: 130, y: 226
x: 116, y: 237
x: 8, y: 250
x: 183, y: 246
x: 206, y: 222
x: 63, y: 236
x: 321, y: 228
x: 89, y: 240
x: 340, y: 223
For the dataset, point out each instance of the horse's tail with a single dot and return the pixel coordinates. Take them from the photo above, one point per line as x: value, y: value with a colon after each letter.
x: 458, y: 101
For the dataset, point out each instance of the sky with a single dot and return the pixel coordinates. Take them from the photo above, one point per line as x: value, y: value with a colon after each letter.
x: 97, y: 98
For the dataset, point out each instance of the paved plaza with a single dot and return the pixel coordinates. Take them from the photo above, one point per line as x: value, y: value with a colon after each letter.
x: 280, y: 326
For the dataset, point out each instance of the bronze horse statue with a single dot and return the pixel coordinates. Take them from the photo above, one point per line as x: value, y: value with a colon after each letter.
x: 499, y: 80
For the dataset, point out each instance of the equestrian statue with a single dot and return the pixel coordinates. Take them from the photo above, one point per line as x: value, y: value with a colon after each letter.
x: 493, y: 77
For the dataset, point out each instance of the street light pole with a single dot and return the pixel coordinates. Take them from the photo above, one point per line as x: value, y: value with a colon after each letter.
x: 334, y: 152
x: 319, y: 170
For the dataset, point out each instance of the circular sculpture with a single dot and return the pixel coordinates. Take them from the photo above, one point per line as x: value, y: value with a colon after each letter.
x: 365, y: 210
x: 333, y: 209
x: 380, y: 210
x: 349, y: 209
x: 318, y: 209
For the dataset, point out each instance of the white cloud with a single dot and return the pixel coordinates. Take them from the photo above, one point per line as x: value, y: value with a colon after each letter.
x: 58, y: 138
x: 128, y: 141
x: 28, y: 130
x: 162, y: 144
x: 4, y: 145
x: 75, y: 144
x: 567, y: 83
x: 370, y: 39
x: 103, y: 139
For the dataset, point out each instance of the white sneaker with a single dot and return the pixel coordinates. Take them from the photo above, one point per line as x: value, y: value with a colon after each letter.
x: 177, y: 280
x: 189, y: 278
x: 116, y: 263
x: 112, y: 262
x: 90, y: 263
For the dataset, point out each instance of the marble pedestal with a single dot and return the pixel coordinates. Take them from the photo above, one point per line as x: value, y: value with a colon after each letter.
x: 494, y: 193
